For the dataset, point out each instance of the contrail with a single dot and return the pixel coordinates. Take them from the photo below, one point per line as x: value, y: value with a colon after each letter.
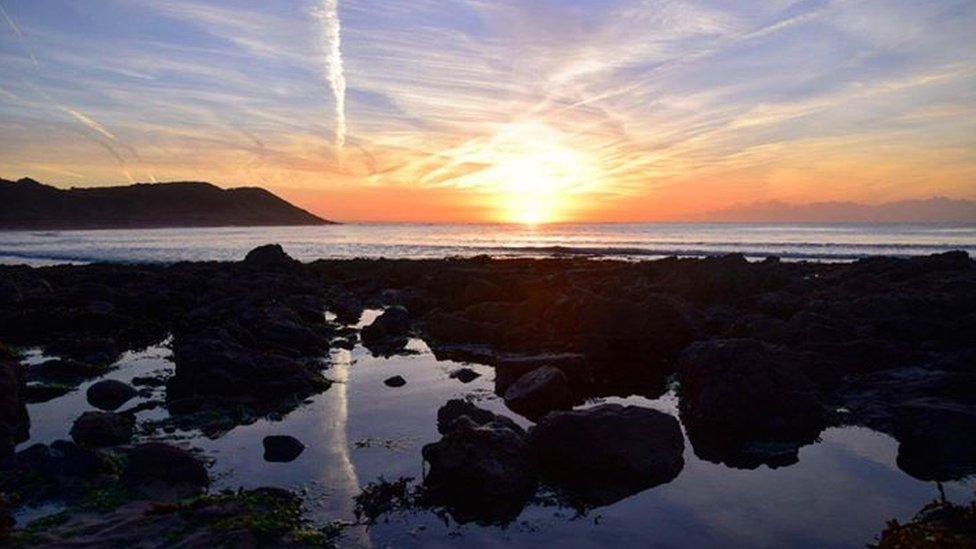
x: 84, y: 119
x: 20, y: 35
x: 328, y: 15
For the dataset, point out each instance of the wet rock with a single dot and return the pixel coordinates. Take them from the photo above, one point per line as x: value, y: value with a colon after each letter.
x: 347, y: 308
x: 483, y: 472
x: 269, y: 256
x: 61, y: 471
x: 646, y: 329
x: 157, y: 461
x: 389, y: 332
x: 100, y: 351
x: 606, y: 453
x: 741, y: 397
x: 464, y: 375
x: 456, y: 408
x: 149, y: 381
x: 935, y: 440
x: 64, y: 371
x: 395, y: 381
x: 102, y: 429
x: 929, y: 412
x: 214, y: 363
x: 109, y: 394
x: 35, y: 393
x: 538, y: 392
x: 14, y: 421
x: 282, y: 448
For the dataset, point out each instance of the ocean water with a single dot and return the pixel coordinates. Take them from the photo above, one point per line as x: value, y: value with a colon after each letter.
x: 824, y: 242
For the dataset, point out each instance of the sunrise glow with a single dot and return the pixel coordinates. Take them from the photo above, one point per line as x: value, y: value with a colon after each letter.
x: 525, y: 112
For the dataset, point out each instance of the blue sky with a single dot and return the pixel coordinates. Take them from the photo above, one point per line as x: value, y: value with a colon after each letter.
x: 647, y: 102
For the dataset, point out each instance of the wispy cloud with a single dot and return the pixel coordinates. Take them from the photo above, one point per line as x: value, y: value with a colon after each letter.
x: 666, y: 100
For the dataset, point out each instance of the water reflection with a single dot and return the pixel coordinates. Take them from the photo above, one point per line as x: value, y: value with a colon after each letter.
x: 839, y: 493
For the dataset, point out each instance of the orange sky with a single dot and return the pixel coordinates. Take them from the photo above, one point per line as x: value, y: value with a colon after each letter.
x: 616, y: 110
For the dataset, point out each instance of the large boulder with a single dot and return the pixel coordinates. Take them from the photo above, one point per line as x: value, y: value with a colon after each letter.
x: 389, y: 332
x: 282, y: 448
x: 538, y: 392
x: 606, y: 453
x: 160, y: 462
x: 745, y: 402
x: 102, y: 429
x: 269, y: 256
x: 109, y: 394
x: 482, y: 472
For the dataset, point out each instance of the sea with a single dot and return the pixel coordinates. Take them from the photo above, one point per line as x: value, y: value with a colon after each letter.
x: 790, y: 242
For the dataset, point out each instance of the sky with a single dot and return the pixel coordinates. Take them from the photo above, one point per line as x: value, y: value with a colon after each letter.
x: 478, y: 110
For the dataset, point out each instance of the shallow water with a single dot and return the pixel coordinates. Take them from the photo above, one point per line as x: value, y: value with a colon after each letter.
x: 840, y: 494
x: 820, y: 242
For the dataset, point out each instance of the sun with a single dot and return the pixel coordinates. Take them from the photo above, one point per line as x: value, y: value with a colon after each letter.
x: 530, y: 172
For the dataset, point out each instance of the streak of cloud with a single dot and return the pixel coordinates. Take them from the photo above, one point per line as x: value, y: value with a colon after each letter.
x: 328, y: 16
x: 20, y: 35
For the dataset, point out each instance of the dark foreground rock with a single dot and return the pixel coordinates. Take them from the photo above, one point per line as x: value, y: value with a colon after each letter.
x: 35, y: 393
x: 395, y: 381
x: 62, y: 470
x: 485, y: 473
x: 14, y: 422
x: 538, y: 392
x: 606, y: 453
x: 109, y: 394
x: 159, y: 462
x: 465, y: 375
x: 102, y: 429
x: 454, y: 409
x: 387, y: 334
x: 282, y: 448
x: 745, y: 402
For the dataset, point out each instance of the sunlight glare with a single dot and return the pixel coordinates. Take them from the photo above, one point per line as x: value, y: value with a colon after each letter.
x: 532, y: 172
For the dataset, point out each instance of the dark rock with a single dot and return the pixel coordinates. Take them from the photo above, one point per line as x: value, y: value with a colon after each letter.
x: 102, y: 429
x: 606, y: 453
x: 456, y: 408
x: 149, y: 381
x: 109, y: 394
x: 14, y: 421
x: 539, y: 391
x: 61, y: 471
x: 156, y: 461
x: 464, y: 375
x: 101, y: 351
x: 347, y: 308
x: 743, y: 397
x: 35, y: 393
x: 64, y: 371
x: 282, y: 448
x: 389, y: 332
x: 654, y: 328
x: 271, y: 256
x: 395, y: 381
x: 483, y: 472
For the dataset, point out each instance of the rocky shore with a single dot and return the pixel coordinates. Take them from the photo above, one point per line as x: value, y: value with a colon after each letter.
x: 764, y: 355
